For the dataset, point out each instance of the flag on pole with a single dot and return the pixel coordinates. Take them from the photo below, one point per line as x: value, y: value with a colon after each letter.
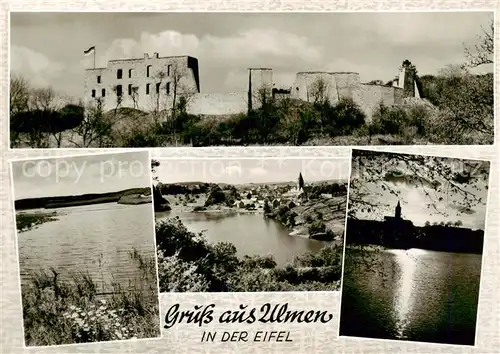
x: 89, y: 51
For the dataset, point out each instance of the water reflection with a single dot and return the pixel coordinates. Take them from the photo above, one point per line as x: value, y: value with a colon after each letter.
x: 429, y: 296
x: 251, y: 234
x: 94, y: 238
x: 406, y: 261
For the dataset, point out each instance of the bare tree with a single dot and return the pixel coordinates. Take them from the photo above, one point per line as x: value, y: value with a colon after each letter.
x: 95, y: 129
x: 119, y: 98
x: 318, y: 91
x: 34, y: 114
x: 44, y: 99
x: 176, y: 87
x: 483, y: 52
x: 48, y: 103
x: 156, y: 97
x: 437, y: 177
x: 19, y: 98
x: 135, y: 96
x: 19, y: 94
x: 467, y: 106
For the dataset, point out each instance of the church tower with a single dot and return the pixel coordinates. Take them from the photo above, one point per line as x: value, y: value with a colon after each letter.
x: 398, y: 211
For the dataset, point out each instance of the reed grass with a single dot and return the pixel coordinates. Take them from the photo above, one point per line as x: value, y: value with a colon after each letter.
x: 65, y: 312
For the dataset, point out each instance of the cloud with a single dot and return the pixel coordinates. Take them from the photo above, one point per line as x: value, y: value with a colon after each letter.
x: 258, y: 171
x: 245, y: 46
x: 234, y: 170
x: 225, y: 56
x: 39, y: 69
x: 422, y: 28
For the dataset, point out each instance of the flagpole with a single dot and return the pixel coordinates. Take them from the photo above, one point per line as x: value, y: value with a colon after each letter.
x: 94, y: 58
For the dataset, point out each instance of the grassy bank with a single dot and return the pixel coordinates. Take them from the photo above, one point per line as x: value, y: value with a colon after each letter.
x: 57, y: 312
x: 27, y: 221
x: 188, y: 263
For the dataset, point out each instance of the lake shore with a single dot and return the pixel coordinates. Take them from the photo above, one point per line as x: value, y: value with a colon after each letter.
x: 318, y: 215
x: 228, y: 271
x: 73, y: 311
x: 127, y: 196
x: 29, y: 220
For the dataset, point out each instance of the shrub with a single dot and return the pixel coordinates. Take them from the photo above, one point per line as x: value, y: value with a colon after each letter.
x: 215, y: 196
x: 177, y: 275
x: 344, y: 117
x: 316, y: 227
x: 172, y: 237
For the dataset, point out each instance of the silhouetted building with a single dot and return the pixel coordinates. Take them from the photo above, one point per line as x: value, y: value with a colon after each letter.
x: 397, y: 231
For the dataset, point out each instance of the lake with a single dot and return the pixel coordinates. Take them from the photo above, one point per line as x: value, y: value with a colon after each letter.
x: 415, y: 295
x: 95, y: 238
x: 250, y: 233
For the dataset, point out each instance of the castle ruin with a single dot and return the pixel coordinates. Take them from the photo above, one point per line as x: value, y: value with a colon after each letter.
x: 155, y: 83
x: 148, y: 83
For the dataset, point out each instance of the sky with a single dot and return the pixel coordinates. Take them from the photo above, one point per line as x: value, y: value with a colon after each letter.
x: 96, y: 173
x: 416, y: 204
x: 47, y: 48
x: 244, y: 171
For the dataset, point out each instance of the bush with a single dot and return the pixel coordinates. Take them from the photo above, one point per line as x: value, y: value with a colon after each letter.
x: 317, y: 227
x: 191, y: 264
x: 215, y: 196
x: 173, y: 238
x: 343, y: 118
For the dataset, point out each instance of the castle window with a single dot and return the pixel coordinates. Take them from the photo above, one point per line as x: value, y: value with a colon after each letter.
x: 119, y: 90
x: 103, y: 93
x: 129, y: 89
x: 158, y: 88
x: 168, y: 70
x: 147, y: 89
x: 99, y: 79
x: 93, y: 93
x: 148, y: 69
x: 130, y: 73
x: 168, y: 88
x: 119, y: 73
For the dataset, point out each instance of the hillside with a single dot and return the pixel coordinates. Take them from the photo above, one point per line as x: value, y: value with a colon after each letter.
x: 83, y: 199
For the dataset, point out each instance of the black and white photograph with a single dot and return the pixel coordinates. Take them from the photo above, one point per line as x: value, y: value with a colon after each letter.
x: 413, y: 247
x: 93, y: 80
x: 250, y: 225
x: 86, y: 248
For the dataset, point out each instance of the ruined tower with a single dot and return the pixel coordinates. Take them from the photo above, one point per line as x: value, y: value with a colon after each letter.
x: 407, y: 79
x: 260, y: 84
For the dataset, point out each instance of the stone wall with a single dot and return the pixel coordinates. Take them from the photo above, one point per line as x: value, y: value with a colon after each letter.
x: 371, y: 96
x: 145, y: 83
x: 260, y: 81
x: 144, y: 88
x: 309, y: 86
x: 218, y: 103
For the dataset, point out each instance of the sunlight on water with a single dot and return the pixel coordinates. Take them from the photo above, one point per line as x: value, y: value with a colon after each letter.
x: 404, y: 300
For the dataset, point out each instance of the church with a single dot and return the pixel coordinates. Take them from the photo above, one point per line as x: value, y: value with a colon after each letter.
x: 398, y: 232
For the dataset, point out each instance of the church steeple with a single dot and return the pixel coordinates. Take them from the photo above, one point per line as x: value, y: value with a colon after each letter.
x: 398, y: 211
